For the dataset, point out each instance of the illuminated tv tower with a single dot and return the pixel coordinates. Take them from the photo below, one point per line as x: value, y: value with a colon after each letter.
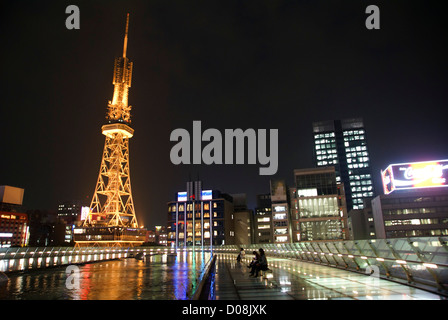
x: 111, y: 219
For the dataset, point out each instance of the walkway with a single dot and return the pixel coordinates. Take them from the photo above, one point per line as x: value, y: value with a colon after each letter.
x: 295, y: 280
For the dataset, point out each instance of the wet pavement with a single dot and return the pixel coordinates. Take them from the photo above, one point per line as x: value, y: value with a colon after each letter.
x: 296, y: 280
x: 176, y: 277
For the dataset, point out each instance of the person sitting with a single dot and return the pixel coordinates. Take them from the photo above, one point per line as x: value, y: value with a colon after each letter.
x: 262, y: 264
x: 240, y: 255
x: 254, y: 262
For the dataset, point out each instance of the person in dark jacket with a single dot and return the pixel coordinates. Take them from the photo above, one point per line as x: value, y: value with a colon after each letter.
x: 254, y: 262
x: 262, y: 263
x: 241, y: 255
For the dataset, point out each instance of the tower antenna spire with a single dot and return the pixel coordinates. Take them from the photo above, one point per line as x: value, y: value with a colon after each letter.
x: 125, y: 46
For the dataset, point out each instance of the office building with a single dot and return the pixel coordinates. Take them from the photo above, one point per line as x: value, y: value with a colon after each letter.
x: 156, y: 237
x: 161, y: 235
x: 361, y: 223
x: 150, y: 238
x: 242, y: 220
x: 280, y: 212
x: 14, y: 227
x: 343, y: 144
x: 200, y: 217
x: 71, y: 213
x: 411, y: 213
x: 263, y: 230
x: 318, y: 207
x: 415, y: 203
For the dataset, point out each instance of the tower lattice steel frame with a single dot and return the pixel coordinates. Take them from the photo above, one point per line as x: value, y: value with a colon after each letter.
x: 112, y: 220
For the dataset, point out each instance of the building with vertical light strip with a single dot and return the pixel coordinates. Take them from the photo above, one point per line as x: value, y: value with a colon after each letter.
x: 281, y: 225
x: 200, y: 218
x: 343, y: 144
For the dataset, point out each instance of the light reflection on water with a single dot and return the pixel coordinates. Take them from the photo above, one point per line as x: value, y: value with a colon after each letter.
x: 162, y: 277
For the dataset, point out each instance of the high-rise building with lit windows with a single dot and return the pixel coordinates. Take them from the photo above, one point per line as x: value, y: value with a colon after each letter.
x: 200, y: 218
x: 343, y: 144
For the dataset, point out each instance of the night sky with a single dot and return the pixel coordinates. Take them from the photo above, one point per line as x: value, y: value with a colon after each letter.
x: 231, y: 64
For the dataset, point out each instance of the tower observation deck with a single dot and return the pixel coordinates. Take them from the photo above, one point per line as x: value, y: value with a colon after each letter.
x: 111, y: 220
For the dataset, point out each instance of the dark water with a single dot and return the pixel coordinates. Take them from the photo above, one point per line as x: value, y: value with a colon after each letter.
x: 164, y: 277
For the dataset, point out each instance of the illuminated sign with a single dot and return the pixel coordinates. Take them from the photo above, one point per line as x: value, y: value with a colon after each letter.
x: 206, y: 195
x: 307, y: 192
x: 84, y: 212
x: 5, y: 235
x: 428, y: 174
x: 8, y: 216
x: 279, y: 208
x: 182, y: 196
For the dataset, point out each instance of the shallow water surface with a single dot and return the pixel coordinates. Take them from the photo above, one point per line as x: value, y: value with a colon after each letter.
x: 164, y: 277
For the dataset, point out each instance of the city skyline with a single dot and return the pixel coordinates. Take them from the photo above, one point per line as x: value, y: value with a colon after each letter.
x: 268, y: 65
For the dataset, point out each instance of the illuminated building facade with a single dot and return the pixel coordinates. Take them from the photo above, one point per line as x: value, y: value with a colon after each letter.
x: 160, y: 235
x: 71, y: 212
x: 318, y: 208
x: 411, y: 213
x: 281, y: 225
x: 343, y: 144
x: 415, y: 202
x: 112, y: 220
x: 263, y: 231
x: 14, y: 227
x: 200, y: 218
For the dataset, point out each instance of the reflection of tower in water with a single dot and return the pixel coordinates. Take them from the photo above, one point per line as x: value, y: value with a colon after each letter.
x: 111, y: 220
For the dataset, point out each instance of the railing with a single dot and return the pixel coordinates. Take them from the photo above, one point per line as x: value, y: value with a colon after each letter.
x: 26, y: 258
x: 420, y: 262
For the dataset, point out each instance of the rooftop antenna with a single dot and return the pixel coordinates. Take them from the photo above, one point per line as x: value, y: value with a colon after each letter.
x: 125, y: 46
